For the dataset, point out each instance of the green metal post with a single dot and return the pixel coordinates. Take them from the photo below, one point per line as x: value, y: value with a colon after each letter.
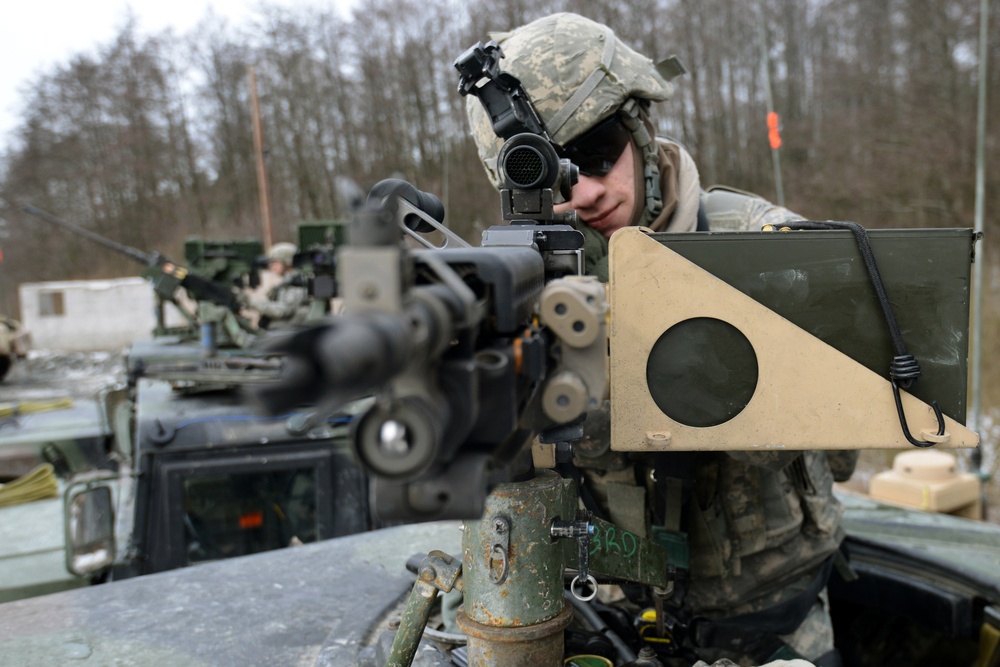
x: 438, y: 572
x: 514, y: 612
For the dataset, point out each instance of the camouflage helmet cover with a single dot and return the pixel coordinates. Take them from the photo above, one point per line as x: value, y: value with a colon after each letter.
x: 283, y: 252
x: 576, y: 72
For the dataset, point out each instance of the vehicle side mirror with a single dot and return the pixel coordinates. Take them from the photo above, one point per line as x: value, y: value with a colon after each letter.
x: 89, y: 525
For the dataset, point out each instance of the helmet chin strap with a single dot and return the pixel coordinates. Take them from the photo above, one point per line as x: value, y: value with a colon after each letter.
x: 648, y: 187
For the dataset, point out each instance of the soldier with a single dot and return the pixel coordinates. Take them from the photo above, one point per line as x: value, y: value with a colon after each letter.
x: 287, y: 303
x: 763, y: 527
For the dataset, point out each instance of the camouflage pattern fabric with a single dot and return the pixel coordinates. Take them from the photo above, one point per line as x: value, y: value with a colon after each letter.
x: 758, y: 536
x: 287, y: 304
x: 842, y: 463
x: 283, y: 252
x: 729, y: 209
x: 572, y: 84
x: 813, y: 638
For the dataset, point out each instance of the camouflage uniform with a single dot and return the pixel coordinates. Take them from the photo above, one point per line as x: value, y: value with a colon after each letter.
x: 287, y: 303
x: 761, y: 525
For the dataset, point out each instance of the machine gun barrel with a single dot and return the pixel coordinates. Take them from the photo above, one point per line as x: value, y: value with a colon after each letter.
x: 147, y: 258
x: 200, y: 288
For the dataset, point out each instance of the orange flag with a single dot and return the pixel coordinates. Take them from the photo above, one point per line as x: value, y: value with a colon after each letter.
x: 772, y: 130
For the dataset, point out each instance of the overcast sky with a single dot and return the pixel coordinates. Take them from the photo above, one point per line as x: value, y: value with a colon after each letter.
x: 37, y: 34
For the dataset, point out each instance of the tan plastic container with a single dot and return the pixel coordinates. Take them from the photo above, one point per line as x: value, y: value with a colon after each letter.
x: 929, y: 480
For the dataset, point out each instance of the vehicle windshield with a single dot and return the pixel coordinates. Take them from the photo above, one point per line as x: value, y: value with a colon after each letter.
x: 247, y: 513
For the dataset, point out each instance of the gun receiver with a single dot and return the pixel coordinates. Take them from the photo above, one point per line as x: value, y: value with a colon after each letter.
x: 469, y: 352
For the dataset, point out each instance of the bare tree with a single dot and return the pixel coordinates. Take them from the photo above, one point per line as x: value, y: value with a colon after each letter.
x: 150, y: 140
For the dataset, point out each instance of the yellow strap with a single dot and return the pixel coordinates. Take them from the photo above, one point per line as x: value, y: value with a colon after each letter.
x: 37, y: 484
x: 29, y: 407
x: 989, y: 646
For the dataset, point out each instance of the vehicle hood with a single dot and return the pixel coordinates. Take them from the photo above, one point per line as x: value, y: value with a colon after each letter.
x: 313, y: 604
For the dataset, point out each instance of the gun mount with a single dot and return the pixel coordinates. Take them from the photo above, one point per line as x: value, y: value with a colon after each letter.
x: 429, y: 334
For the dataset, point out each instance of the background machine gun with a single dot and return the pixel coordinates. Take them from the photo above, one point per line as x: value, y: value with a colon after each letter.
x: 472, y: 354
x: 317, y: 261
x: 215, y: 269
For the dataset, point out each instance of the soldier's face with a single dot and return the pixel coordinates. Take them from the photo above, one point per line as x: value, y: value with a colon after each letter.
x: 605, y: 203
x: 277, y: 267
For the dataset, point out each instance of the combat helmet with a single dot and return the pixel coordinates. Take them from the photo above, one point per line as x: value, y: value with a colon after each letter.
x: 577, y: 73
x: 283, y: 252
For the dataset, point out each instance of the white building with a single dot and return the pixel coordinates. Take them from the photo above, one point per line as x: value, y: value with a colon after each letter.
x: 85, y: 315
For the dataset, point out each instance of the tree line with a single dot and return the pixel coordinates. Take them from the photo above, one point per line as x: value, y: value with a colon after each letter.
x: 149, y: 140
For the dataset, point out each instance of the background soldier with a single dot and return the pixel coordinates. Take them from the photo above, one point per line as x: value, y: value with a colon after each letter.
x: 763, y: 528
x: 287, y: 303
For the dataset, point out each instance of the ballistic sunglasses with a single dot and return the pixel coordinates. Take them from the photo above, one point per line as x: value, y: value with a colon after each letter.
x: 596, y: 151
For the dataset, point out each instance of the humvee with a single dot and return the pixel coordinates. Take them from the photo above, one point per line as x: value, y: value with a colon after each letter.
x: 154, y: 476
x: 172, y: 467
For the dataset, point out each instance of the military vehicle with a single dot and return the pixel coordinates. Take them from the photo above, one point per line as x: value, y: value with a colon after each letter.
x: 927, y: 594
x: 482, y: 363
x: 151, y: 479
x: 32, y: 548
x: 171, y: 467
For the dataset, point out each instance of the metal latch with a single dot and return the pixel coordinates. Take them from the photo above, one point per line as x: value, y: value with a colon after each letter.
x: 580, y: 530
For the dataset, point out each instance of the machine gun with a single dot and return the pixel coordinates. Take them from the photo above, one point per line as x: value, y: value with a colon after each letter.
x: 317, y: 258
x: 221, y: 269
x: 470, y: 353
x: 474, y: 353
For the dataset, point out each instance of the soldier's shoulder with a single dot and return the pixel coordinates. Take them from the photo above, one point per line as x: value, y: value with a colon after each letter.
x: 732, y: 209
